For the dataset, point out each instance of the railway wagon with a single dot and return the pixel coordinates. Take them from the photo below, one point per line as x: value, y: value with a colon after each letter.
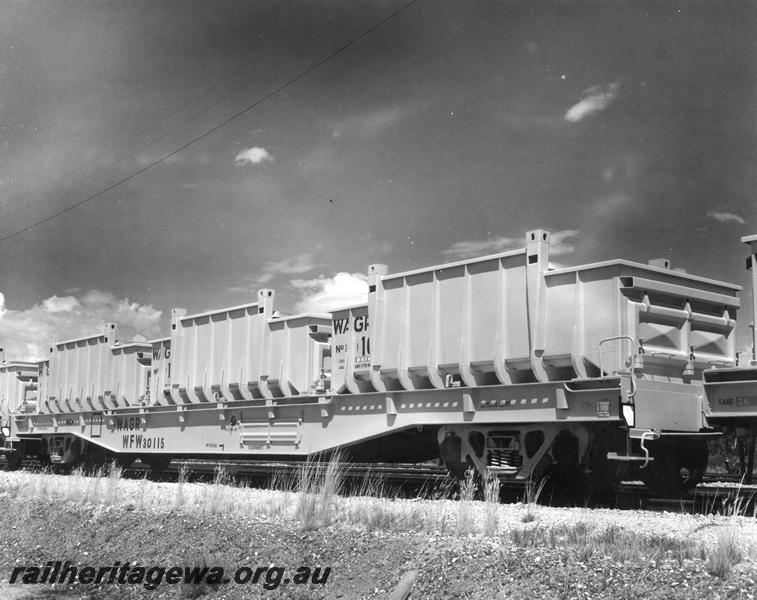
x: 502, y: 363
x: 18, y: 395
x: 731, y: 393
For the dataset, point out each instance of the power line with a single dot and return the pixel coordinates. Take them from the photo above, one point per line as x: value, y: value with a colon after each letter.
x: 154, y: 124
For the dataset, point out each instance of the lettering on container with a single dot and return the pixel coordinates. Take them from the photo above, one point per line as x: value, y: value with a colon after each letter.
x: 359, y: 323
x: 738, y: 401
x: 352, y: 330
x: 159, y: 352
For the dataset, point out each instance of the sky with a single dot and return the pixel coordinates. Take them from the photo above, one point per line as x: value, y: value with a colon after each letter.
x: 160, y: 154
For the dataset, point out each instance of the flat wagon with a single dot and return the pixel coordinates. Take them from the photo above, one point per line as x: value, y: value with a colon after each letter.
x: 584, y: 374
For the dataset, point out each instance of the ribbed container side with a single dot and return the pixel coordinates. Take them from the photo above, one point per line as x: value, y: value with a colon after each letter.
x: 129, y: 375
x: 243, y: 353
x: 452, y: 325
x: 18, y: 387
x: 511, y: 318
x: 77, y: 377
x: 293, y: 358
x: 218, y: 354
x: 665, y: 324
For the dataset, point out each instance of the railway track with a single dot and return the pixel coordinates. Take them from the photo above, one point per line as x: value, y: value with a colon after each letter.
x: 400, y: 478
x: 719, y: 493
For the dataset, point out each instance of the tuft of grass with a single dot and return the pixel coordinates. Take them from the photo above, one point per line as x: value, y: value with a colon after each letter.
x: 111, y: 485
x: 491, y: 500
x: 318, y: 487
x: 579, y: 543
x: 93, y: 484
x: 178, y: 500
x: 331, y: 485
x: 531, y: 496
x: 724, y: 555
x: 283, y: 481
x: 219, y: 499
x: 465, y: 523
x: 374, y: 513
x: 140, y: 504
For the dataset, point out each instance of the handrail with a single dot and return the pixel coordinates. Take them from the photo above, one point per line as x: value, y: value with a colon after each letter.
x: 631, y: 394
x: 610, y: 339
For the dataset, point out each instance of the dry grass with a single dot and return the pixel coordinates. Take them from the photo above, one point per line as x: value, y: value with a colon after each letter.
x: 178, y: 500
x: 465, y: 521
x: 318, y: 486
x: 531, y: 496
x: 725, y: 555
x: 581, y: 542
x: 491, y: 502
x: 112, y: 484
x: 315, y: 497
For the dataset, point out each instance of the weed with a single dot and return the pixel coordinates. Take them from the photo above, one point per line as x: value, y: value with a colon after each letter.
x: 725, y: 555
x: 531, y: 496
x: 317, y: 491
x: 529, y: 537
x: 282, y: 480
x: 331, y: 485
x: 178, y: 500
x: 465, y: 524
x: 491, y: 499
x: 374, y: 513
x: 219, y: 498
x: 111, y: 485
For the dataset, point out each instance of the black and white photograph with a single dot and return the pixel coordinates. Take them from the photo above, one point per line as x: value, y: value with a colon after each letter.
x: 378, y: 299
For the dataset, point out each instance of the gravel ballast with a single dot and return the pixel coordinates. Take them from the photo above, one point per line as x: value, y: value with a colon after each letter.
x: 458, y: 550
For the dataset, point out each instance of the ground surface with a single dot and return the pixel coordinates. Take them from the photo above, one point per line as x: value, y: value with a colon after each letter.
x: 460, y: 550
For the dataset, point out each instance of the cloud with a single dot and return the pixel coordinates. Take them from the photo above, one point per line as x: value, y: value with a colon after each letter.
x: 254, y: 156
x: 725, y: 217
x: 54, y: 304
x: 469, y: 249
x: 595, y: 99
x: 289, y: 266
x: 323, y: 293
x: 368, y: 124
x: 558, y: 244
x: 26, y: 333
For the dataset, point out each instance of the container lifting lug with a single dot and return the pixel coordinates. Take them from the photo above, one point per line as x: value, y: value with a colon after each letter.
x: 688, y: 370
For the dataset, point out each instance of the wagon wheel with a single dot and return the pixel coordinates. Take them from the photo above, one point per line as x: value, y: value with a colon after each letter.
x: 14, y: 458
x: 746, y: 457
x: 449, y: 452
x: 93, y: 459
x: 677, y: 468
x: 123, y: 461
x: 157, y: 464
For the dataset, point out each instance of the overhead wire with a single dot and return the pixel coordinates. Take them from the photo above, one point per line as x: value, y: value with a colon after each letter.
x: 7, y: 213
x: 222, y: 124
